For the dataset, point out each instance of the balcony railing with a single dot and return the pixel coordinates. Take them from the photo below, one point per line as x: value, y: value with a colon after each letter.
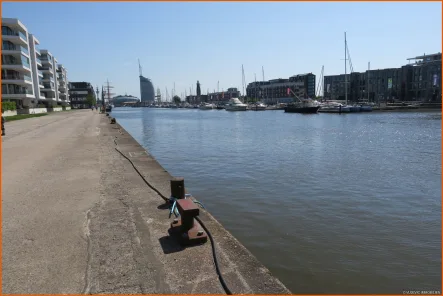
x: 5, y: 90
x: 16, y: 63
x: 39, y: 61
x: 46, y: 68
x: 15, y: 47
x: 40, y: 72
x: 11, y: 33
x: 16, y: 77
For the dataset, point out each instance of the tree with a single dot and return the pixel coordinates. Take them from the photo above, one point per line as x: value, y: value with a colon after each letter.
x: 176, y: 100
x: 90, y: 100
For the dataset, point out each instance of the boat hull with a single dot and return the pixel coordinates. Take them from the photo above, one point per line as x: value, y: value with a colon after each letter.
x: 257, y: 108
x: 304, y: 110
x: 237, y: 108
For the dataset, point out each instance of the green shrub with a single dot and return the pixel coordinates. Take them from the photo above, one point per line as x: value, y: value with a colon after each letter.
x: 41, y: 106
x: 8, y: 106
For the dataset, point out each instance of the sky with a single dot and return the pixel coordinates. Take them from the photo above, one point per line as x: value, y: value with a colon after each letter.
x: 184, y: 42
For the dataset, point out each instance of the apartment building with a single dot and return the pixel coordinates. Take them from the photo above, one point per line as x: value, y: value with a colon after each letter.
x: 276, y: 90
x: 30, y: 76
x: 418, y: 81
x: 17, y: 78
x: 49, y: 70
x: 78, y: 92
x: 224, y: 96
x: 62, y: 85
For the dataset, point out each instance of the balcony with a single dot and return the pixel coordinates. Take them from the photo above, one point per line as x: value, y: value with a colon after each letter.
x: 38, y: 61
x: 21, y: 66
x: 14, y: 49
x: 42, y: 96
x: 48, y: 79
x: 48, y: 88
x: 15, y: 37
x: 46, y: 61
x: 16, y: 79
x: 7, y: 93
x: 40, y: 73
x: 47, y: 70
x: 37, y: 51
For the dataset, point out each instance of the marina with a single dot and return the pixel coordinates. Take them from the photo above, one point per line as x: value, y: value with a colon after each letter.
x: 343, y: 183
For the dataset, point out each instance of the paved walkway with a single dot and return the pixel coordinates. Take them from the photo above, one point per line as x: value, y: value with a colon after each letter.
x: 50, y: 178
x: 77, y: 218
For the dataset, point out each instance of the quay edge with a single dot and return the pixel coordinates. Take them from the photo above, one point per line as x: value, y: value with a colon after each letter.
x: 176, y: 270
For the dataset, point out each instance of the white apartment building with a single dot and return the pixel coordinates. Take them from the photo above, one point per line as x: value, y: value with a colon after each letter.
x: 30, y: 76
x: 17, y: 78
x: 63, y: 86
x: 37, y: 75
x: 49, y: 70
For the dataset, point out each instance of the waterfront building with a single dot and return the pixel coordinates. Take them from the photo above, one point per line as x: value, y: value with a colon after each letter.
x: 147, y: 93
x: 17, y: 72
x: 276, y: 90
x: 28, y: 73
x: 48, y: 68
x: 119, y: 101
x: 78, y: 92
x: 62, y: 84
x: 223, y: 96
x: 419, y: 81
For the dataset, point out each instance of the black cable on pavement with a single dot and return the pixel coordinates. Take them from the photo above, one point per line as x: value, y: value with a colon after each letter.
x: 214, y: 254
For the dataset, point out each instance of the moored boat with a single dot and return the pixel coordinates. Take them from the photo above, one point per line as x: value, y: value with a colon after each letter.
x: 235, y: 104
x: 306, y: 106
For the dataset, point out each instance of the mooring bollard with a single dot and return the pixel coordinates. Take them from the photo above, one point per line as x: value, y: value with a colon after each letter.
x: 178, y: 187
x: 113, y: 121
x: 188, y: 230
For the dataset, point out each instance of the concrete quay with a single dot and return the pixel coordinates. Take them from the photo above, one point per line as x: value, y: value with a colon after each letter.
x: 77, y: 218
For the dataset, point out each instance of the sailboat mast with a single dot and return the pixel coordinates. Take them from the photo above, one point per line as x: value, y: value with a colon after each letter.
x: 346, y: 79
x: 369, y: 67
x: 243, y: 80
x: 263, y: 74
x: 255, y: 80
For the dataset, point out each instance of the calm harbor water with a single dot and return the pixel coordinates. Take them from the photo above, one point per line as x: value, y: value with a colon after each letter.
x: 329, y: 203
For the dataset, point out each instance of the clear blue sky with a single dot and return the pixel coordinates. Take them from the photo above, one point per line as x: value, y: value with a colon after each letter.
x: 186, y: 42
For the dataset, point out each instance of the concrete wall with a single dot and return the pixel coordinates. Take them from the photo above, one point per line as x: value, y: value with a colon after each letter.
x: 9, y: 113
x: 32, y: 111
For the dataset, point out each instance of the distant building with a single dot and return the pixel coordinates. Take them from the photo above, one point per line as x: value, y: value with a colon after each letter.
x: 119, y: 101
x: 147, y: 93
x: 78, y: 91
x: 63, y: 87
x: 276, y: 90
x: 419, y: 81
x: 224, y: 96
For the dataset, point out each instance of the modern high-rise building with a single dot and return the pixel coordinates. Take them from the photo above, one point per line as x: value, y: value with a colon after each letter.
x: 147, y: 93
x: 17, y: 78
